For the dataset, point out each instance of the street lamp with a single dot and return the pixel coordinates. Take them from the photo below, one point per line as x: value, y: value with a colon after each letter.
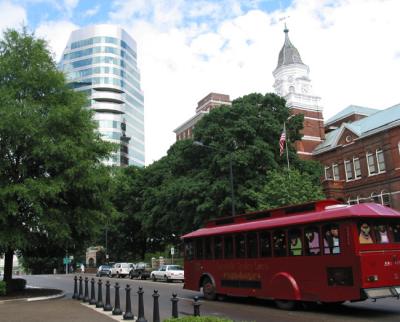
x: 230, y: 169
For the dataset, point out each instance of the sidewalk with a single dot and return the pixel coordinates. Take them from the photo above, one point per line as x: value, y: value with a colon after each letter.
x: 61, y: 310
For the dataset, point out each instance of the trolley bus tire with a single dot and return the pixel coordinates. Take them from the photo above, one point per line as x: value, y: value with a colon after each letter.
x: 286, y: 304
x: 332, y: 304
x: 209, y: 289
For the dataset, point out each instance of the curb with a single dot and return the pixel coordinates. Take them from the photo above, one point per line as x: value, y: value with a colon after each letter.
x: 33, y: 299
x: 107, y: 313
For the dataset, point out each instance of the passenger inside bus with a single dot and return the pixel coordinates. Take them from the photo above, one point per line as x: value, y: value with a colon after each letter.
x: 382, y: 234
x: 395, y: 228
x: 331, y: 240
x: 279, y: 242
x: 365, y: 236
x: 312, y: 241
x: 295, y: 243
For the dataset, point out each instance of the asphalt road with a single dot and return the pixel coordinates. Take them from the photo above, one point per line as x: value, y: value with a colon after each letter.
x: 238, y: 309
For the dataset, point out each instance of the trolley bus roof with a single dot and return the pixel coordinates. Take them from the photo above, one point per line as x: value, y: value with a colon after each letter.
x: 370, y: 210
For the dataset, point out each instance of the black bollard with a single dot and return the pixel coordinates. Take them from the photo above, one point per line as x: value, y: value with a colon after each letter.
x: 117, y: 309
x: 196, y: 306
x: 174, y: 301
x: 86, y: 297
x: 128, y: 315
x: 75, y: 295
x: 99, y: 302
x: 141, y: 317
x: 156, y: 309
x: 92, y: 293
x: 80, y: 295
x: 107, y: 306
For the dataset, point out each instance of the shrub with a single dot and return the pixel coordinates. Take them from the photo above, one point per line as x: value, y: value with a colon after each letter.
x: 2, y: 288
x: 199, y: 319
x: 16, y: 284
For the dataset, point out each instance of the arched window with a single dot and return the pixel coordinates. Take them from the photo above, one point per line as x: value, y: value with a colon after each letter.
x: 376, y: 198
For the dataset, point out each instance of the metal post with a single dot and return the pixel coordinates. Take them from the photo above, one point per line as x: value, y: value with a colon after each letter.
x: 156, y: 309
x: 141, y: 317
x: 107, y: 306
x: 92, y: 293
x: 232, y: 191
x: 174, y: 301
x: 86, y: 297
x: 117, y: 309
x: 128, y: 315
x: 196, y: 306
x: 75, y: 295
x: 107, y: 244
x: 80, y: 295
x: 99, y: 302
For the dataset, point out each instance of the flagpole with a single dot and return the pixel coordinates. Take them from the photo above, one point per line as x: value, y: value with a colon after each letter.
x: 287, y: 151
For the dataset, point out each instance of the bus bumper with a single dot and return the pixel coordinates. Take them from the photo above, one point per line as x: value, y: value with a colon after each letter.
x: 382, y: 292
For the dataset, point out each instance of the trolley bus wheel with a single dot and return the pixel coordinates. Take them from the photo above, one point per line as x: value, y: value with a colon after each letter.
x: 209, y: 289
x: 286, y: 304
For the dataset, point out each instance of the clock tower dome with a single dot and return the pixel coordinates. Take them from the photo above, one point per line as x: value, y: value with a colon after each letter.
x: 292, y: 82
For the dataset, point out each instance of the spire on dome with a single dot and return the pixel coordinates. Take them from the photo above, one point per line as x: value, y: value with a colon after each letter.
x: 288, y: 54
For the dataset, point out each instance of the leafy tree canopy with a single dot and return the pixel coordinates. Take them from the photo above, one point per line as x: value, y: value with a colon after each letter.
x: 52, y: 182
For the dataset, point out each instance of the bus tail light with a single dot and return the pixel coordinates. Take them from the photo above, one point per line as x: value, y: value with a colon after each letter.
x: 372, y: 278
x: 341, y: 276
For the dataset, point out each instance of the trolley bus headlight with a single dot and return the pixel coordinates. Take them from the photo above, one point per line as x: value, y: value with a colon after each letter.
x: 372, y: 278
x: 342, y: 276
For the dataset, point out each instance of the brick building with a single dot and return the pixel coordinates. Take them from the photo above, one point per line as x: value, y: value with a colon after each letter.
x: 361, y: 156
x: 205, y: 105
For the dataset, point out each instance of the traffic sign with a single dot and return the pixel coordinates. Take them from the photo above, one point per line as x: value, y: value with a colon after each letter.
x: 66, y: 260
x: 172, y: 250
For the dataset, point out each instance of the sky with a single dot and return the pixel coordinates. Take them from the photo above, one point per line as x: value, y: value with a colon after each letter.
x: 189, y: 48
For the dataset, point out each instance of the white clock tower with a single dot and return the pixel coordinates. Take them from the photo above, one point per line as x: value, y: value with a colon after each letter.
x: 292, y: 82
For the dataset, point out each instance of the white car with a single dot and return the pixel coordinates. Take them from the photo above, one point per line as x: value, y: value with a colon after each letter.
x: 120, y: 269
x: 168, y: 273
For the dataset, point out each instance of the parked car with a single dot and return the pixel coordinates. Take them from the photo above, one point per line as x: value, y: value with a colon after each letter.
x: 140, y: 271
x: 103, y: 270
x: 168, y: 273
x: 120, y: 269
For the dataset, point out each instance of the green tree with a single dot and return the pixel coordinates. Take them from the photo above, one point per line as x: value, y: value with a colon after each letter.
x: 52, y: 182
x: 288, y: 187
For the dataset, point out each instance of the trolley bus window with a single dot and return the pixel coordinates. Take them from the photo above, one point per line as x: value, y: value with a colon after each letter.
x: 311, y: 240
x: 331, y: 239
x: 217, y: 247
x: 279, y: 242
x: 295, y: 244
x: 395, y: 228
x: 240, y: 246
x: 228, y: 246
x: 381, y: 234
x: 189, y: 249
x: 199, y: 248
x: 365, y: 236
x: 208, y: 248
x: 252, y: 245
x: 265, y: 244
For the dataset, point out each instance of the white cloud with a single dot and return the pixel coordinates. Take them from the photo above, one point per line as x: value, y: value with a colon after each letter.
x: 350, y: 46
x: 91, y: 12
x: 56, y: 33
x: 11, y: 15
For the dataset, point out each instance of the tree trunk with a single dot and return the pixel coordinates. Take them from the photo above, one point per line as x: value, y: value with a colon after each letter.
x: 8, y: 265
x: 144, y: 249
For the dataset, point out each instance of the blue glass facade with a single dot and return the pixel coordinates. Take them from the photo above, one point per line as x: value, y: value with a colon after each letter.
x: 101, y: 61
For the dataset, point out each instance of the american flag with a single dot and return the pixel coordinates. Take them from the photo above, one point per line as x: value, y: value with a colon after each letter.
x: 282, y: 142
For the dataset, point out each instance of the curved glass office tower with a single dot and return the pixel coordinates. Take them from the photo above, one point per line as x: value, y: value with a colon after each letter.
x: 101, y: 61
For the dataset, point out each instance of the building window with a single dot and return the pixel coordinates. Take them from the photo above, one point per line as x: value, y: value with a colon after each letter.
x: 380, y: 160
x: 357, y: 168
x: 385, y: 198
x: 371, y: 163
x: 335, y: 170
x: 328, y: 173
x: 375, y: 198
x: 348, y: 170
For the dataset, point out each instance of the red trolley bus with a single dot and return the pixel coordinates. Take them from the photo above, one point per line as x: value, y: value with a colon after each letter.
x: 315, y: 252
